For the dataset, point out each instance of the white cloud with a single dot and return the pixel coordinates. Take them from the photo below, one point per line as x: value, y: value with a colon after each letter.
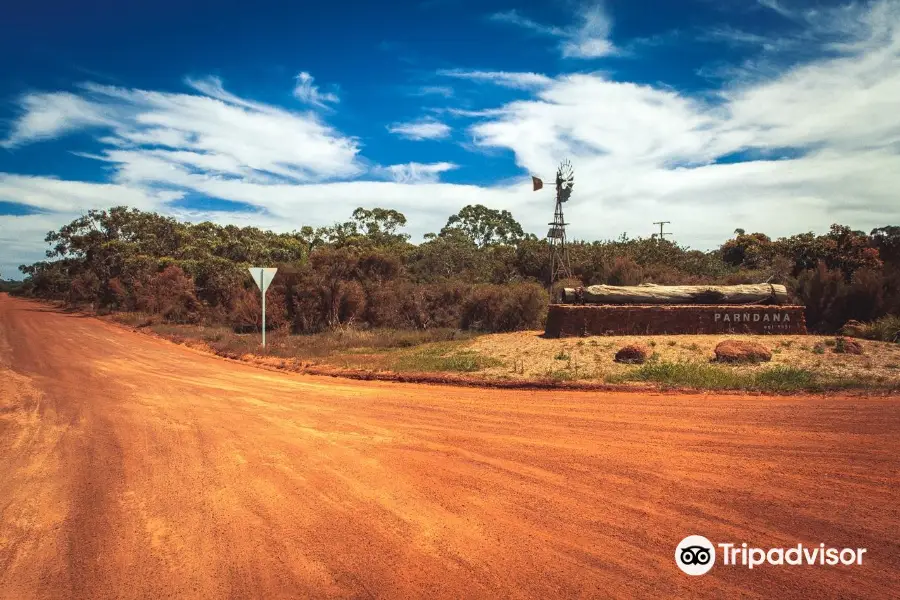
x: 591, y: 38
x: 414, y: 172
x: 306, y: 91
x: 645, y: 151
x: 502, y: 78
x: 433, y: 90
x: 51, y: 194
x: 425, y: 129
x: 588, y: 37
x: 641, y: 152
x: 215, y: 132
x: 47, y: 116
x: 514, y: 18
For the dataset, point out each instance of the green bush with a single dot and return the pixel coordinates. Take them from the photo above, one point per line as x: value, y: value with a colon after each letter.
x: 716, y: 377
x: 885, y: 329
x: 494, y: 308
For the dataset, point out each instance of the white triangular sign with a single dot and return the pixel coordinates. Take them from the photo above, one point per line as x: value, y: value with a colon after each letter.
x: 262, y: 276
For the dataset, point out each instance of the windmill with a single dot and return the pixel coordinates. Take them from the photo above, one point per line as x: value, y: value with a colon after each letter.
x: 559, y: 253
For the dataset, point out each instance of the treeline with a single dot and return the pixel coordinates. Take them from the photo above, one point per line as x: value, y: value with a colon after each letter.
x: 480, y: 272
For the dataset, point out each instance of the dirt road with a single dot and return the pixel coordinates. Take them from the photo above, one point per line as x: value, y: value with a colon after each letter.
x: 134, y: 468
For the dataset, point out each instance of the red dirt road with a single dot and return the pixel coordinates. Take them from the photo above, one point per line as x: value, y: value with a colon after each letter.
x: 134, y: 468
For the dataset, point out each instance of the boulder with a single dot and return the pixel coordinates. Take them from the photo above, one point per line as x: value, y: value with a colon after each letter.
x: 737, y: 351
x: 844, y: 345
x: 633, y: 354
x: 853, y: 328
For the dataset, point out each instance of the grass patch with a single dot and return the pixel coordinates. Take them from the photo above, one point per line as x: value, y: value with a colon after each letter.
x: 559, y: 375
x: 699, y: 375
x: 319, y: 345
x: 444, y: 357
x: 562, y: 355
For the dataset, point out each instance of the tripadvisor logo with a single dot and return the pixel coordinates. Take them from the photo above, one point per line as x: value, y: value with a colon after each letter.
x: 696, y: 555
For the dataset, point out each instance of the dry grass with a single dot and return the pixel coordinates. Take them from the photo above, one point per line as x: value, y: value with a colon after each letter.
x: 798, y: 362
x: 592, y: 358
x: 401, y: 351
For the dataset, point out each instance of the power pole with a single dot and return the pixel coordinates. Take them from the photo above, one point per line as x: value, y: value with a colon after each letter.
x: 661, y: 224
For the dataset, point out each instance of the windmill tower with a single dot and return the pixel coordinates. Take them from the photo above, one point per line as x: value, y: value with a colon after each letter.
x: 559, y: 252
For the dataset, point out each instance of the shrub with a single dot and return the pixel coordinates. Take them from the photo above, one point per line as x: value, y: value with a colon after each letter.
x: 496, y: 308
x: 170, y: 293
x: 885, y: 329
x: 625, y: 271
x: 847, y: 346
x: 736, y: 351
x: 633, y: 354
x: 246, y: 313
x: 84, y: 288
x: 407, y: 305
x: 824, y: 292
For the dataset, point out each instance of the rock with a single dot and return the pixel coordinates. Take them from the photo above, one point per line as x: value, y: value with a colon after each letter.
x: 852, y: 328
x: 633, y: 354
x: 737, y: 351
x: 844, y: 345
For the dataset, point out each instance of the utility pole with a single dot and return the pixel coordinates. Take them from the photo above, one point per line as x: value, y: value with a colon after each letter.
x: 661, y: 224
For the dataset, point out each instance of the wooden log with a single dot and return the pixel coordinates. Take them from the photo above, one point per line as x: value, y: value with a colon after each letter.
x: 648, y: 293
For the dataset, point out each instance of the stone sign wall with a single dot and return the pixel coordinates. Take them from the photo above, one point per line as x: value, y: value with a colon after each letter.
x: 566, y: 320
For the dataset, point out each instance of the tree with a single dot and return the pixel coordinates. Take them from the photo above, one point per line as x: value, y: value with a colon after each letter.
x: 751, y: 251
x: 450, y: 255
x: 381, y: 224
x: 887, y: 240
x: 485, y: 226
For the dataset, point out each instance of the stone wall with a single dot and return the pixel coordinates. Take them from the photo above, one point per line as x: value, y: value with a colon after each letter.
x: 566, y: 320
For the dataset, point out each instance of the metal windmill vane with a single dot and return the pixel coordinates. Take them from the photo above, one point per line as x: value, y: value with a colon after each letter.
x: 559, y: 252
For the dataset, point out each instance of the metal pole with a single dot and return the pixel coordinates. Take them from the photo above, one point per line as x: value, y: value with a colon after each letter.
x: 263, y: 290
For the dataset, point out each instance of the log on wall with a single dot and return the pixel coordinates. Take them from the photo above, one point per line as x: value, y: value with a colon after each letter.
x: 648, y: 293
x: 571, y: 320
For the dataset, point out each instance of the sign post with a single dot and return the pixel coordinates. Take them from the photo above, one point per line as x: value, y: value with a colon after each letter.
x: 263, y: 277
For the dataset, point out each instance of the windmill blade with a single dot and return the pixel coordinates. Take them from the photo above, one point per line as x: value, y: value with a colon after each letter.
x: 565, y: 181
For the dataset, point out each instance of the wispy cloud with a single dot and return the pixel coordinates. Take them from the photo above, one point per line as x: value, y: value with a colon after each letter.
x: 150, y: 135
x: 514, y: 18
x: 502, y: 78
x: 587, y: 37
x: 413, y: 172
x: 46, y: 116
x: 306, y: 91
x: 433, y: 90
x: 779, y: 7
x: 423, y: 129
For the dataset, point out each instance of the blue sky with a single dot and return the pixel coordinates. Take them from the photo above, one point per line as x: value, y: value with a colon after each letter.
x: 773, y: 115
